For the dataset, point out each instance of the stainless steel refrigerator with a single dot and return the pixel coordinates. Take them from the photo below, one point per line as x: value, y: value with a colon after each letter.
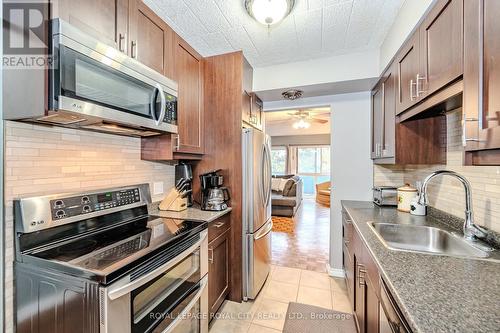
x: 257, y: 223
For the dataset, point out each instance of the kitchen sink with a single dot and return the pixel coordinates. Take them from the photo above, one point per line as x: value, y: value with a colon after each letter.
x: 426, y: 239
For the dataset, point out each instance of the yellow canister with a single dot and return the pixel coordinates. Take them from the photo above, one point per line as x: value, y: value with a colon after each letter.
x: 406, y: 194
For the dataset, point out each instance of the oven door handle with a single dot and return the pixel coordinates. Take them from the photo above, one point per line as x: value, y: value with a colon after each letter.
x: 189, y: 306
x: 120, y: 291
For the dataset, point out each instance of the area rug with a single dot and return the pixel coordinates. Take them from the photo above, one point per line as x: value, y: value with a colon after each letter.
x: 302, y: 318
x: 283, y: 224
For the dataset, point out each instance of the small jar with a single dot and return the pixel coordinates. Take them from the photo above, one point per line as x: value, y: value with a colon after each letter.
x: 406, y: 194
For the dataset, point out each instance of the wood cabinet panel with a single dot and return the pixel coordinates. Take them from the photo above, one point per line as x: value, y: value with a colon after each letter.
x: 366, y: 286
x: 105, y: 20
x: 407, y: 62
x: 150, y: 37
x: 189, y: 75
x: 218, y: 271
x: 482, y: 82
x: 246, y: 109
x: 377, y: 121
x: 218, y: 227
x: 441, y: 46
x: 257, y: 112
x: 389, y: 108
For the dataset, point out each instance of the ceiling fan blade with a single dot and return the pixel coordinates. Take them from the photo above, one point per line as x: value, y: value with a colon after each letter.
x: 275, y: 121
x: 320, y: 121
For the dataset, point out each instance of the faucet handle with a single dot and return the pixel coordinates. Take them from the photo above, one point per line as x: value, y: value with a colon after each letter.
x: 479, y: 231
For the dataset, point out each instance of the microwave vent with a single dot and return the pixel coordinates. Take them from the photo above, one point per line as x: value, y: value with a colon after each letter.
x: 62, y: 119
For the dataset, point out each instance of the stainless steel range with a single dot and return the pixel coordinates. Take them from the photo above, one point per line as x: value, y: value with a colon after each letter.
x: 98, y: 262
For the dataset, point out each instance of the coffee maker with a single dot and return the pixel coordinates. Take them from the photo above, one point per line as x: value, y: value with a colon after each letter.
x: 213, y: 195
x: 184, y: 174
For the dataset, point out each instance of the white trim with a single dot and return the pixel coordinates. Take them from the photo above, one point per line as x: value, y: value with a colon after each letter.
x: 335, y: 272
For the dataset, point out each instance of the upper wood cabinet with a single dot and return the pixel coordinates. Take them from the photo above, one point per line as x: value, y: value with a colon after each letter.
x: 188, y: 73
x: 433, y: 56
x: 441, y: 47
x: 482, y: 82
x: 384, y: 115
x: 417, y: 141
x: 105, y: 20
x: 256, y: 112
x: 246, y: 111
x: 150, y: 39
x: 407, y: 62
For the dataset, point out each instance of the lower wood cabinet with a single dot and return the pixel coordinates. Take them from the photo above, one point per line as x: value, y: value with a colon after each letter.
x: 362, y: 279
x: 218, y: 263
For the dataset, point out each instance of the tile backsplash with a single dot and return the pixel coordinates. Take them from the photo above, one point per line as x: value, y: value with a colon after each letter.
x: 43, y: 160
x: 446, y: 193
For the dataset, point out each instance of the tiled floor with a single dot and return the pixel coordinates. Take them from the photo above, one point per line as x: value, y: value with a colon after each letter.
x: 307, y: 247
x: 267, y: 313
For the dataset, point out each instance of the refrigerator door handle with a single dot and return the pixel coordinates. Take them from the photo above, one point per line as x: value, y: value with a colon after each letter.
x: 262, y: 184
x: 269, y: 174
x: 264, y: 231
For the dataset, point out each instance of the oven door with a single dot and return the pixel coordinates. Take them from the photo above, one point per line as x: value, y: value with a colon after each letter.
x: 98, y: 82
x: 170, y: 298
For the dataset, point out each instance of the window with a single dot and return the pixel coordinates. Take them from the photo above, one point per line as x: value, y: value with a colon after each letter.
x: 278, y: 160
x: 313, y: 166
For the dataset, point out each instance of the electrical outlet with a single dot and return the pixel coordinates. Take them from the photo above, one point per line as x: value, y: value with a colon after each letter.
x: 157, y: 188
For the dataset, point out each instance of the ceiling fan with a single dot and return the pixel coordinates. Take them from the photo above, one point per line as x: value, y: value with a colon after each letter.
x: 303, y: 119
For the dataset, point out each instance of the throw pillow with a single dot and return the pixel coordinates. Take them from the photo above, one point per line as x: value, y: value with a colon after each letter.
x: 288, y: 187
x: 275, y: 184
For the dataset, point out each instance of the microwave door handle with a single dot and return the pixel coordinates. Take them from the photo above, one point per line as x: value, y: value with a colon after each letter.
x: 152, y: 104
x: 120, y: 291
x: 163, y: 105
x: 158, y: 90
x: 187, y: 309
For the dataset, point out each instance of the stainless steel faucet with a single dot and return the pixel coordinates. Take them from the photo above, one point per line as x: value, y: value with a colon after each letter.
x: 471, y: 230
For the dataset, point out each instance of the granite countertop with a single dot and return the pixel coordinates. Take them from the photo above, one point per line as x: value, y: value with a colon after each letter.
x: 435, y: 293
x: 191, y: 213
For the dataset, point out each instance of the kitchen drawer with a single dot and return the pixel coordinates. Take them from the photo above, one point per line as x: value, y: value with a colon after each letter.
x: 218, y: 227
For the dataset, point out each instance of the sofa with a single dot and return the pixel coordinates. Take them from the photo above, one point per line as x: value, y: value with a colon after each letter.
x: 287, y: 200
x: 323, y: 193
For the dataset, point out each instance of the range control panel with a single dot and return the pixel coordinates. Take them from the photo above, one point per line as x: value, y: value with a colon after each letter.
x: 84, y: 204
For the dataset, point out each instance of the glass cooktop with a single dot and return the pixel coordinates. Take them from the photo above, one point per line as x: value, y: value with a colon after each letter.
x: 111, y: 249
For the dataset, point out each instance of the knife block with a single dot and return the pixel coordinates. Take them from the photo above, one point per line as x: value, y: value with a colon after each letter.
x: 173, y: 202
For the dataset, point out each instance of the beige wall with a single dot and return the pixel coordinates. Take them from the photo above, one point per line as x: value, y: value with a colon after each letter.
x: 447, y: 193
x: 42, y: 160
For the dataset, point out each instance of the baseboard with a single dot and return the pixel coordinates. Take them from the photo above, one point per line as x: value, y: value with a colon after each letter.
x: 335, y: 272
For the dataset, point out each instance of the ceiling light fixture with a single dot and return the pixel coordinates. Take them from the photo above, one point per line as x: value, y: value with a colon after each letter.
x: 292, y: 94
x: 301, y: 124
x: 269, y: 12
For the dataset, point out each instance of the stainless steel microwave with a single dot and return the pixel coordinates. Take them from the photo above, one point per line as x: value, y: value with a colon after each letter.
x: 94, y: 86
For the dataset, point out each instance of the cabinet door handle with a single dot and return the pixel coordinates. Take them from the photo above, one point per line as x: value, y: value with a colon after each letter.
x: 177, y: 142
x: 211, y: 255
x: 361, y: 275
x: 419, y: 79
x: 219, y: 224
x: 412, y: 84
x: 133, y: 49
x: 465, y: 139
x: 121, y: 38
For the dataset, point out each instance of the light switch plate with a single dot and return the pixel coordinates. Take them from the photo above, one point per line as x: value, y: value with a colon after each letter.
x: 157, y: 188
